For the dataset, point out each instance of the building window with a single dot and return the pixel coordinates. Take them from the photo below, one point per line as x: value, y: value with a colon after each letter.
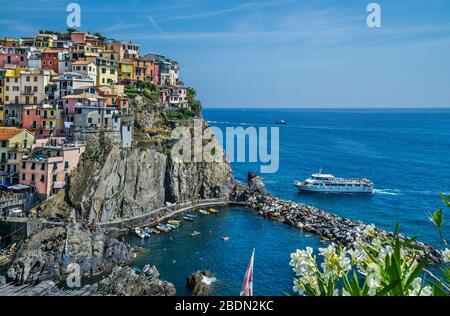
x: 23, y: 176
x: 33, y: 166
x: 54, y: 178
x: 66, y: 165
x: 42, y: 178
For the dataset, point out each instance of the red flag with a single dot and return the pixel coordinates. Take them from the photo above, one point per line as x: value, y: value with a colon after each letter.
x: 247, y: 286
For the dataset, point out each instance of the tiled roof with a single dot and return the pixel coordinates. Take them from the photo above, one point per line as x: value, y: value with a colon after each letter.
x: 7, y: 133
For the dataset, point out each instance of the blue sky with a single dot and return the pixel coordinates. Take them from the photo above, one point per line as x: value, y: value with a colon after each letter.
x: 276, y: 53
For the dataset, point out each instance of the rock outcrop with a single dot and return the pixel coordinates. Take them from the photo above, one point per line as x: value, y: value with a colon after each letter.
x: 124, y: 281
x: 197, y: 284
x: 113, y: 182
x: 48, y: 254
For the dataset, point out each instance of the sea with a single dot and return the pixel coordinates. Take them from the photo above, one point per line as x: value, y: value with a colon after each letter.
x: 405, y: 152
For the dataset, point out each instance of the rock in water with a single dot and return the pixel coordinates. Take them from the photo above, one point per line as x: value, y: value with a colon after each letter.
x: 197, y: 284
x: 48, y: 254
x: 124, y: 281
x: 256, y: 184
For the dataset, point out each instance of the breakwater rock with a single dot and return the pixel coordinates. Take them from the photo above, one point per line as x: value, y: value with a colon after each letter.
x: 48, y: 254
x: 313, y: 220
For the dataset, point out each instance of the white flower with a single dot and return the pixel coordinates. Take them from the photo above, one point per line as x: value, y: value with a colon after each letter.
x: 386, y: 251
x: 446, y: 255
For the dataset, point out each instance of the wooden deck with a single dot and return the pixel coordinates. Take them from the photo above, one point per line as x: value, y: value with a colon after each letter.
x: 47, y: 288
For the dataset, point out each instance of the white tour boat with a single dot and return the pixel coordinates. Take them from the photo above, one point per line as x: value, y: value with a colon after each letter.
x: 327, y: 183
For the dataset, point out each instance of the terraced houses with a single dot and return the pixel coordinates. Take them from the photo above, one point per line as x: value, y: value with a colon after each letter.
x: 54, y: 84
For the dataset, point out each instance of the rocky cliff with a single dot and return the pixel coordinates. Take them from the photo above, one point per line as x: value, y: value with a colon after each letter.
x: 113, y: 182
x: 48, y: 254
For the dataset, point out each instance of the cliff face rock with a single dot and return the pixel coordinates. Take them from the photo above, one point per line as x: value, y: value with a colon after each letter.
x: 124, y: 281
x: 47, y: 254
x: 113, y: 182
x: 190, y: 181
x: 126, y: 183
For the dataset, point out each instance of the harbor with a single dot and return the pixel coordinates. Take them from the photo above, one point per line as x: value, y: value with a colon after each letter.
x: 178, y: 254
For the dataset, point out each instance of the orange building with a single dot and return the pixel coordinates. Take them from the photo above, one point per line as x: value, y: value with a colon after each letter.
x: 50, y: 60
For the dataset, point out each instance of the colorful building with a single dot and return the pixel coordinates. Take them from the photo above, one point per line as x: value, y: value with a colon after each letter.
x: 83, y: 37
x: 14, y: 142
x: 147, y: 69
x: 47, y: 169
x: 125, y: 50
x: 10, y: 42
x: 115, y: 97
x: 67, y: 83
x: 45, y: 40
x: 107, y: 68
x: 43, y: 120
x: 50, y: 60
x: 127, y: 71
x: 84, y: 67
x: 17, y: 56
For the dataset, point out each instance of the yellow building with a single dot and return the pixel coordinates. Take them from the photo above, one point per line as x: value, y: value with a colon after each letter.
x: 107, y: 68
x: 10, y: 42
x: 51, y: 118
x: 127, y: 70
x: 14, y: 142
x: 45, y: 40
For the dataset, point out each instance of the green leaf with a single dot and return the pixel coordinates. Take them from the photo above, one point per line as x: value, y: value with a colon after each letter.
x: 445, y: 199
x: 388, y: 288
x: 417, y: 271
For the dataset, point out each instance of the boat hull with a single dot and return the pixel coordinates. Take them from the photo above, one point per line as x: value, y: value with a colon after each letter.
x: 337, y: 189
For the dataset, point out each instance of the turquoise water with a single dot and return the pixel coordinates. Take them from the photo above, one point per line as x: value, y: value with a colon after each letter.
x: 405, y: 152
x: 178, y: 254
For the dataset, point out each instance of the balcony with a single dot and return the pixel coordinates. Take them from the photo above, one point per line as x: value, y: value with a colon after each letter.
x: 27, y: 92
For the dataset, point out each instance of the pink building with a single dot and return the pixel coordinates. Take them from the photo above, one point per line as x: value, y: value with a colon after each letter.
x: 13, y: 56
x: 48, y: 168
x: 83, y: 37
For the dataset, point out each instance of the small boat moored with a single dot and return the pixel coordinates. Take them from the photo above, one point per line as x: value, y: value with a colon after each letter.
x: 174, y: 223
x: 203, y: 212
x: 213, y: 211
x: 195, y: 233
x: 163, y: 228
x: 189, y: 219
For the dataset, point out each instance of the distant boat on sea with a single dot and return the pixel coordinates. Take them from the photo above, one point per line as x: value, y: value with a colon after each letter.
x: 281, y: 122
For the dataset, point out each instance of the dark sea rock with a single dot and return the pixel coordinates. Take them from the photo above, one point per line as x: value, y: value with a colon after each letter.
x: 196, y: 284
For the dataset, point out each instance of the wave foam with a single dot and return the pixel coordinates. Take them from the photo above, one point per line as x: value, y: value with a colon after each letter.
x: 387, y: 192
